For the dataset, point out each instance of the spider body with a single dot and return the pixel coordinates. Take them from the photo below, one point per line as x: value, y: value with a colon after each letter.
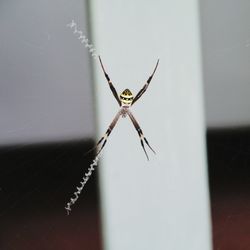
x: 125, y: 101
x: 124, y: 111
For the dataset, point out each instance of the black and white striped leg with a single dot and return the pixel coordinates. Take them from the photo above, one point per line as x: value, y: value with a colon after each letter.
x: 140, y: 133
x: 110, y: 83
x: 103, y: 140
x: 144, y: 88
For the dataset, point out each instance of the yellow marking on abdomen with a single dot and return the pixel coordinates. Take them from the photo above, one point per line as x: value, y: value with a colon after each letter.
x: 126, y: 97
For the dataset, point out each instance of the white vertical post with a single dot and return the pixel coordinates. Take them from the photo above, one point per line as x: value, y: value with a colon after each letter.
x: 161, y: 204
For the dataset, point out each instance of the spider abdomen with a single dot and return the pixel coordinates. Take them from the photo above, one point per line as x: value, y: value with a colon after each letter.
x: 126, y: 97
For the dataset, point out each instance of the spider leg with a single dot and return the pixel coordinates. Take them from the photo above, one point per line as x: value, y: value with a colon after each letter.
x: 141, y: 135
x: 104, y: 138
x: 110, y: 83
x: 144, y: 88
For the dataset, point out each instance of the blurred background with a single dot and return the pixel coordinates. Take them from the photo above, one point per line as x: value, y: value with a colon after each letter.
x: 47, y: 125
x: 49, y: 120
x: 226, y: 63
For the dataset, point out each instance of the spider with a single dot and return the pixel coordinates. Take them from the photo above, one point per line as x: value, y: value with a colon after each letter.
x: 125, y: 101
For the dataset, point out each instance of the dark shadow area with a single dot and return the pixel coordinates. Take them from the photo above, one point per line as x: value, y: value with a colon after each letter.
x: 229, y: 175
x: 36, y: 182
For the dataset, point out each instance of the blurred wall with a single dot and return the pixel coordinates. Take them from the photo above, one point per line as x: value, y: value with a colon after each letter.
x: 45, y: 83
x: 162, y: 203
x: 226, y: 61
